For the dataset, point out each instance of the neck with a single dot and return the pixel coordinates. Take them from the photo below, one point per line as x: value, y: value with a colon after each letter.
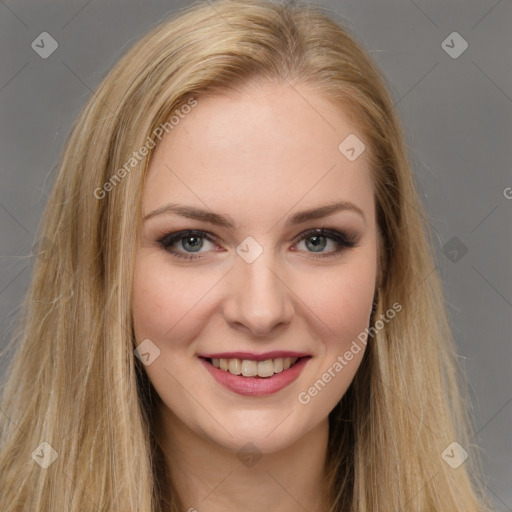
x: 210, y: 478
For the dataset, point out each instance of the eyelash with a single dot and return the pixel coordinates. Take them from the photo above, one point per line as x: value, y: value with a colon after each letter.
x: 343, y: 240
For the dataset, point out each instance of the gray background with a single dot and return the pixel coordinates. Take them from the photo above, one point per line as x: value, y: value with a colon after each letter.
x: 457, y: 119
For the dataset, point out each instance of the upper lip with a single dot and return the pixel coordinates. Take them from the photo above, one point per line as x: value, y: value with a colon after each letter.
x: 254, y: 357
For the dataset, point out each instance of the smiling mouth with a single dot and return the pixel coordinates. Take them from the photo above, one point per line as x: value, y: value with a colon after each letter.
x: 255, y: 369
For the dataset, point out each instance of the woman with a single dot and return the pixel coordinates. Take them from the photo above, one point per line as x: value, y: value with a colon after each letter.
x: 235, y: 304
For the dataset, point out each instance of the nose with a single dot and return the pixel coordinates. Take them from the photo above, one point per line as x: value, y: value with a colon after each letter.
x: 258, y: 298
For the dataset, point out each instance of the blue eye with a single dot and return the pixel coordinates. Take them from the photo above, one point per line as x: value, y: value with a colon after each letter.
x: 318, y: 239
x: 192, y: 241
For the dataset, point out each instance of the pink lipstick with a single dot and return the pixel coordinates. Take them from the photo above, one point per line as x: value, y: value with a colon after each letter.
x: 256, y: 385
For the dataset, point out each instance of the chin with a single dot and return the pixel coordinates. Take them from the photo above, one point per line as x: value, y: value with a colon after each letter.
x: 268, y: 433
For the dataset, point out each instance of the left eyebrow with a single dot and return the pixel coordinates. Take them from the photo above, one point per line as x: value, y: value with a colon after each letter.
x: 324, y: 211
x: 226, y: 221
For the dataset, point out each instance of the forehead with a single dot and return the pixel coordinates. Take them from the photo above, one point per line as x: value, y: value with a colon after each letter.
x: 257, y: 153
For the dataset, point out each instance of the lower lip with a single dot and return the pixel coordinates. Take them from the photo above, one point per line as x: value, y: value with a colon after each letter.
x: 256, y: 386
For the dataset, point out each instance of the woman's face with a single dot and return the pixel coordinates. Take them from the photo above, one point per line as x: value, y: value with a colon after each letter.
x: 253, y: 283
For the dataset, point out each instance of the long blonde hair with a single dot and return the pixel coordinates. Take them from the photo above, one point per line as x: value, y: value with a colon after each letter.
x: 74, y: 382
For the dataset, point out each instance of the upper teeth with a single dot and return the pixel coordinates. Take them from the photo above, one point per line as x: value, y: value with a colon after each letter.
x: 249, y: 368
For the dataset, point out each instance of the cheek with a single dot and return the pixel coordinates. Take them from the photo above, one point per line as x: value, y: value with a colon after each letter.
x: 342, y: 299
x: 166, y: 299
x: 150, y: 295
x: 341, y: 303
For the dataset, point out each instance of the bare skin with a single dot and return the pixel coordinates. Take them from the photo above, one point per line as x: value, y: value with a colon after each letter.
x: 259, y: 157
